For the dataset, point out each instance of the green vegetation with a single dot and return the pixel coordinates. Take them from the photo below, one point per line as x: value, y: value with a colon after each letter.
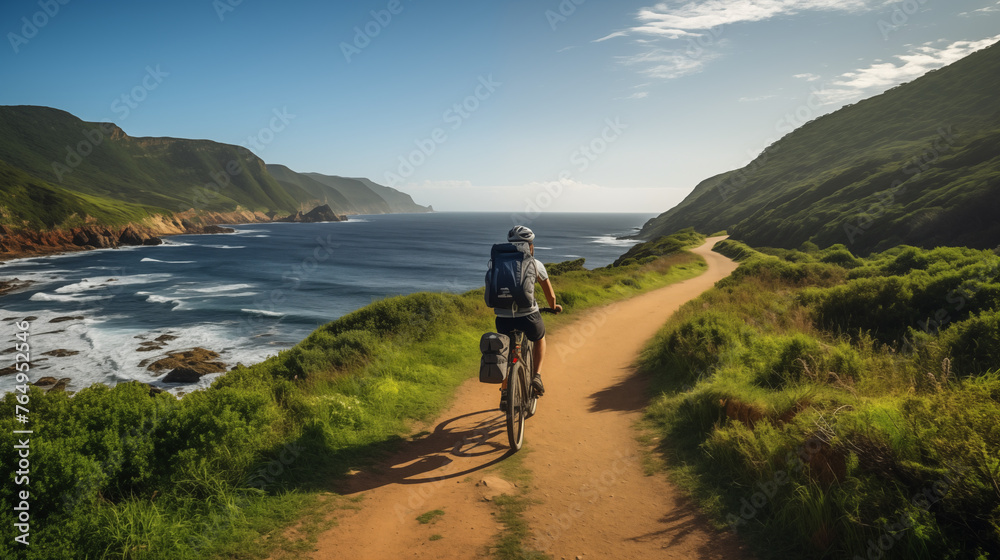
x: 430, y: 516
x: 825, y: 405
x: 56, y: 170
x: 509, y: 544
x: 915, y: 165
x: 34, y: 204
x: 118, y: 472
x: 651, y: 250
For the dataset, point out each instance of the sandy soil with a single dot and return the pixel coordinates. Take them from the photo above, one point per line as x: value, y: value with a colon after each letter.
x: 593, y: 499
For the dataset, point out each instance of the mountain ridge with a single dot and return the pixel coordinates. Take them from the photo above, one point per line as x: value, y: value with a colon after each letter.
x: 917, y: 164
x: 60, y: 175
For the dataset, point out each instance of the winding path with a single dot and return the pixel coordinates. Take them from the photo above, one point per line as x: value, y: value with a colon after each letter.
x: 593, y: 499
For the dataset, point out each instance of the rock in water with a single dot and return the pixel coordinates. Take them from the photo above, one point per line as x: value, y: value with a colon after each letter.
x: 182, y: 375
x: 217, y: 229
x: 321, y: 214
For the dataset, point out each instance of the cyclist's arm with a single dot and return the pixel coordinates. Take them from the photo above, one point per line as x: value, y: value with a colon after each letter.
x: 550, y: 294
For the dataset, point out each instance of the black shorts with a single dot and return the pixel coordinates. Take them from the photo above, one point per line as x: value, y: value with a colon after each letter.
x: 531, y: 325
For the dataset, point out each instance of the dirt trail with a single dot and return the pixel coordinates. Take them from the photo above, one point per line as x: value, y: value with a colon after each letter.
x: 594, y: 500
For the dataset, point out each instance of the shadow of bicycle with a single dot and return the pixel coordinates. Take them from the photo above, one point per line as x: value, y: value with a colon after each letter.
x: 468, y: 443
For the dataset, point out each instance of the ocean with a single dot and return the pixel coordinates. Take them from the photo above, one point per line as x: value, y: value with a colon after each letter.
x: 250, y: 294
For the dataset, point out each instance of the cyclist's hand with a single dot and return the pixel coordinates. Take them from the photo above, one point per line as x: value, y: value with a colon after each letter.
x: 558, y: 308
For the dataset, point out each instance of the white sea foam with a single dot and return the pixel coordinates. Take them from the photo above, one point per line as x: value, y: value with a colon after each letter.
x: 262, y: 312
x: 111, y: 282
x: 225, y: 246
x: 177, y: 302
x: 147, y: 259
x: 64, y: 298
x: 611, y: 240
x: 220, y: 288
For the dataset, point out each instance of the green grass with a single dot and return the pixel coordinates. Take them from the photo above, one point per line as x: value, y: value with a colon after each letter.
x: 804, y: 404
x: 223, y: 472
x: 915, y: 165
x: 509, y: 544
x: 430, y: 516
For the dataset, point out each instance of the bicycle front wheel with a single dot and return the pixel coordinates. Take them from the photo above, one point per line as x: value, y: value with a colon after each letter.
x: 516, y: 406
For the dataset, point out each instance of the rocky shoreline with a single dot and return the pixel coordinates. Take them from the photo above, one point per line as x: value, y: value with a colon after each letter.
x: 22, y: 243
x: 175, y: 367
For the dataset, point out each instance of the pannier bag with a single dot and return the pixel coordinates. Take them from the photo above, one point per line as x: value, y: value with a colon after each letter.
x: 493, y: 366
x: 510, y: 277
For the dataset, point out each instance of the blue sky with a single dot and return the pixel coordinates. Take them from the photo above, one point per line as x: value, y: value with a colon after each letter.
x: 551, y: 105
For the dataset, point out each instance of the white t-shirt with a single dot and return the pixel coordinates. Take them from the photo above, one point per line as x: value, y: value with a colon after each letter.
x: 542, y: 274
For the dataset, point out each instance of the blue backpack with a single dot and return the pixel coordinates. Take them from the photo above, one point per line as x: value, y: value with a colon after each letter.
x: 510, y: 278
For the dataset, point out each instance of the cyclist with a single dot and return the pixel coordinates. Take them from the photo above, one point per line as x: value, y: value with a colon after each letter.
x: 529, y: 320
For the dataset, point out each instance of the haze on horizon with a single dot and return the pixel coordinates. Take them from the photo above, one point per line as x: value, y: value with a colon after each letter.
x: 560, y: 105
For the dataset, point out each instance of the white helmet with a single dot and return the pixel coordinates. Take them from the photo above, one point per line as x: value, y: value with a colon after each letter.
x: 520, y: 233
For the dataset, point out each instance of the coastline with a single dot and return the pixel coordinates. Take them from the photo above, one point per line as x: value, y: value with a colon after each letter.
x: 24, y: 244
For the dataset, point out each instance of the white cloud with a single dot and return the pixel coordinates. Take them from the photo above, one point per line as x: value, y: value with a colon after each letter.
x: 758, y: 98
x: 673, y: 22
x: 636, y: 95
x: 667, y: 64
x: 807, y: 77
x: 883, y: 75
x: 702, y: 22
x: 986, y: 10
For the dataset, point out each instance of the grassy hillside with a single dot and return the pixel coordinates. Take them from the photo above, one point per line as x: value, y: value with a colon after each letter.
x: 321, y: 193
x: 32, y: 203
x: 829, y: 406
x: 919, y: 164
x: 168, y: 173
x: 361, y: 197
x: 398, y: 201
x: 222, y: 472
x: 58, y: 168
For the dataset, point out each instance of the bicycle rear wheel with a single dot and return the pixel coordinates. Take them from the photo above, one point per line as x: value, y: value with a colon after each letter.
x: 515, y: 406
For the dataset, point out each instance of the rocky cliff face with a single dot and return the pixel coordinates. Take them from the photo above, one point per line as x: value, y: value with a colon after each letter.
x: 28, y: 243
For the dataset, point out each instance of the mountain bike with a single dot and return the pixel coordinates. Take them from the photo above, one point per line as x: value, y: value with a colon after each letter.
x: 521, y: 399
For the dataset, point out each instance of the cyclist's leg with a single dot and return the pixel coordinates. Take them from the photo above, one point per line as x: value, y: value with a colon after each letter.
x: 537, y: 353
x: 536, y: 332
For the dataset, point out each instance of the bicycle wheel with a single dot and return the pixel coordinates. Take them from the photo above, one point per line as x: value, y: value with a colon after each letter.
x: 532, y: 400
x: 515, y: 406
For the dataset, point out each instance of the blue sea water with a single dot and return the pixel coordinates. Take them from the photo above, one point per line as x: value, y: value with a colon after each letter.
x: 262, y: 289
